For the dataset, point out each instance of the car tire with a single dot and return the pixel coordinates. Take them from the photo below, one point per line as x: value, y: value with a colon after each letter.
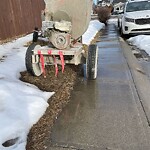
x: 121, y: 32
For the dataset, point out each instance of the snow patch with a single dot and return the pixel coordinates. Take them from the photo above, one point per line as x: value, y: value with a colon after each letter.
x: 142, y: 42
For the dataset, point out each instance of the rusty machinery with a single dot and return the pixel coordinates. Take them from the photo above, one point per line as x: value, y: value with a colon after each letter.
x: 63, y: 24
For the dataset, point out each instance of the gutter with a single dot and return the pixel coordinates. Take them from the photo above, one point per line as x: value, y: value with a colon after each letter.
x: 140, y: 79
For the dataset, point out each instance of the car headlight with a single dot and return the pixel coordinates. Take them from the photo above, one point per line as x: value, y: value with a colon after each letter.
x: 129, y: 19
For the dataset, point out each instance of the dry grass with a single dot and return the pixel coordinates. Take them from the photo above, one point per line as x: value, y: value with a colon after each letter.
x: 104, y: 13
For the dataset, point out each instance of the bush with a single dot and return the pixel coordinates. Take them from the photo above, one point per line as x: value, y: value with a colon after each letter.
x: 104, y: 13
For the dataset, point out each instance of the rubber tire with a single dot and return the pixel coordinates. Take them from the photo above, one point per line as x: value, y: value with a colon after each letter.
x: 34, y: 69
x: 91, y: 62
x: 121, y: 33
x: 125, y: 36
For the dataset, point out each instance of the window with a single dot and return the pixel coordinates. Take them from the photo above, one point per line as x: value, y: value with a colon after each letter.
x: 138, y: 6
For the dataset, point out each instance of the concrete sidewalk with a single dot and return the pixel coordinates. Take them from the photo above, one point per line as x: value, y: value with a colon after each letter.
x: 105, y: 114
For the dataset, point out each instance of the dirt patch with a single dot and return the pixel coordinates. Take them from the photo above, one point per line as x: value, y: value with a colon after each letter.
x: 62, y: 86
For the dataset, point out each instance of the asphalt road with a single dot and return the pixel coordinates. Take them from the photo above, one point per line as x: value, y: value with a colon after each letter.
x: 107, y: 113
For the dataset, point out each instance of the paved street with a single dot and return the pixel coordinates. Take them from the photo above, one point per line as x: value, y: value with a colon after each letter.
x: 104, y: 114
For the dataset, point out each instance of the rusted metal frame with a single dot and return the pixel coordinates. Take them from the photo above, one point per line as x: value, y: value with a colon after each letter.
x: 77, y: 52
x: 71, y: 51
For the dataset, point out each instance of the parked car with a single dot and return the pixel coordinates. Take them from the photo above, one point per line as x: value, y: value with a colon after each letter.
x: 135, y: 18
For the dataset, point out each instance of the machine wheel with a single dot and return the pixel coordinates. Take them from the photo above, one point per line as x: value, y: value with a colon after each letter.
x: 33, y: 68
x: 91, y: 62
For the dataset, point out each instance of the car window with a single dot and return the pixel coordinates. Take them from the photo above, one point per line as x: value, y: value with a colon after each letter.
x: 138, y: 6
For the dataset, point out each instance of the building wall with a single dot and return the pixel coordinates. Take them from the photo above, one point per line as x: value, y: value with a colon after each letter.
x: 19, y: 17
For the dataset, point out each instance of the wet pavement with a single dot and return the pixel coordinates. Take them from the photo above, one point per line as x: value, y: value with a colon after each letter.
x: 104, y: 114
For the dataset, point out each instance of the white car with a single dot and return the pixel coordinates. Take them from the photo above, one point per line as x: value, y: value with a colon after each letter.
x: 135, y: 18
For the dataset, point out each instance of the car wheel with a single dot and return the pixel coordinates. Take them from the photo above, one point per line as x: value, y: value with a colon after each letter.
x: 121, y: 32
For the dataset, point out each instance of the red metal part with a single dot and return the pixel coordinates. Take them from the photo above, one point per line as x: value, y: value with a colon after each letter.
x: 49, y: 52
x: 42, y: 63
x: 62, y: 60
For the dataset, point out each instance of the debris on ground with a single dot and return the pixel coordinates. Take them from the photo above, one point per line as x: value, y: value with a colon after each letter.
x: 62, y: 86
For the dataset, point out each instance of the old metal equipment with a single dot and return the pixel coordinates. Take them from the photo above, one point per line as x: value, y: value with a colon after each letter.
x: 63, y: 24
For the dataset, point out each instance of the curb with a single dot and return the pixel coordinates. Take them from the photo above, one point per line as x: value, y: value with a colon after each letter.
x: 140, y: 79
